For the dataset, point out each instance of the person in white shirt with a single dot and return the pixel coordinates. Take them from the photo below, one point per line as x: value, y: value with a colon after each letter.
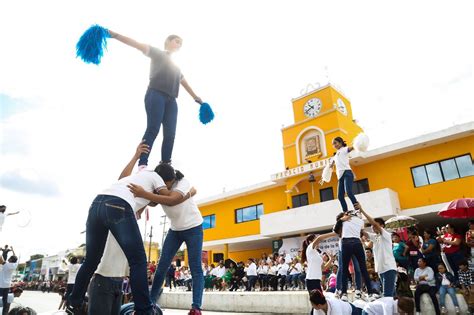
x: 384, y: 260
x: 351, y: 247
x: 218, y: 273
x: 4, y: 215
x: 282, y: 273
x: 262, y: 272
x: 114, y: 210
x: 16, y: 293
x: 330, y: 305
x: 294, y: 274
x: 6, y: 274
x: 72, y: 270
x: 272, y: 276
x: 426, y: 283
x: 312, y: 257
x: 186, y: 227
x: 389, y: 306
x: 344, y: 173
x: 106, y: 288
x: 252, y: 275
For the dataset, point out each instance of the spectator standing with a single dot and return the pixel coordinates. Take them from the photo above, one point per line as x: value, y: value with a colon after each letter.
x: 452, y: 248
x: 72, y: 269
x: 429, y: 249
x: 400, y: 250
x: 6, y: 274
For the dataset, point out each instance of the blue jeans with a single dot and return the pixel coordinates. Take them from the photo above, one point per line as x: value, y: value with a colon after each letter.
x: 358, y: 277
x: 353, y: 247
x: 161, y: 109
x: 251, y: 283
x: 442, y: 295
x: 355, y: 310
x: 345, y: 186
x: 105, y: 295
x: 454, y: 259
x: 388, y: 279
x: 174, y: 239
x: 110, y: 213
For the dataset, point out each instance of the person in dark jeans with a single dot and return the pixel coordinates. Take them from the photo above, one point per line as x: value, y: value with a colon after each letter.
x: 114, y: 211
x: 105, y: 295
x: 186, y: 227
x: 344, y: 173
x: 170, y: 277
x: 236, y: 280
x: 160, y: 99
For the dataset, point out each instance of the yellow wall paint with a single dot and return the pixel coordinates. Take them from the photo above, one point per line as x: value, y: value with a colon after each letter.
x: 273, y: 200
x: 246, y: 254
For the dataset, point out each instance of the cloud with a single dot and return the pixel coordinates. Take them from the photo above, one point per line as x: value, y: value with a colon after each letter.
x: 10, y: 106
x: 29, y: 183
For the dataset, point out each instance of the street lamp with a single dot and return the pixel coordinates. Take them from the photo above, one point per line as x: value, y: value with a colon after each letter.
x: 149, y: 244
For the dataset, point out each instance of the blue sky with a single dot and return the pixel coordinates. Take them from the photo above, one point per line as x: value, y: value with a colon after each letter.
x: 67, y: 128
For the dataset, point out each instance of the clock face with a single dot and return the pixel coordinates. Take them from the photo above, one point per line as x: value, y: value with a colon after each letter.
x: 312, y: 107
x: 341, y: 106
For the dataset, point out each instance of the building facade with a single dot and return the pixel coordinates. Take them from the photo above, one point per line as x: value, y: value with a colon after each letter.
x: 415, y: 177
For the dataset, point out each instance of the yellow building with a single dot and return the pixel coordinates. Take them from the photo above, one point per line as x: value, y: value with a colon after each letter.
x: 415, y: 177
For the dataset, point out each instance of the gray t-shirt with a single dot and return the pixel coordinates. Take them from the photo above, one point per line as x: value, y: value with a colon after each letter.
x: 165, y: 76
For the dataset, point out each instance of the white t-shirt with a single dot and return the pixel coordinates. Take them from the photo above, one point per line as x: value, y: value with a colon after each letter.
x: 114, y: 262
x: 283, y: 269
x: 382, y: 306
x: 338, y: 307
x: 2, y: 220
x: 6, y: 274
x: 341, y: 160
x: 296, y: 269
x: 72, y: 273
x: 219, y: 271
x: 185, y: 215
x: 273, y: 270
x: 149, y: 180
x: 315, y: 262
x: 252, y: 270
x: 262, y: 270
x: 10, y: 299
x: 445, y: 280
x: 352, y: 227
x: 382, y: 249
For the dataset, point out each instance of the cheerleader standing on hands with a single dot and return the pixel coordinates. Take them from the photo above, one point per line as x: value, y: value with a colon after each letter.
x: 344, y: 173
x: 160, y: 99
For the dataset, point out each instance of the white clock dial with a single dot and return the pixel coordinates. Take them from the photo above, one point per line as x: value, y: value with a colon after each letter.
x: 341, y: 106
x: 312, y: 107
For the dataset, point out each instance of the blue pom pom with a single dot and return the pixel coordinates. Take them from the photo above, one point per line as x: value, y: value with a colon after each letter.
x: 206, y: 115
x: 91, y: 45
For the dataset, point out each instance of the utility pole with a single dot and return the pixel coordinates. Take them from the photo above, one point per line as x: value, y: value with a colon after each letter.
x: 164, y: 230
x: 149, y: 244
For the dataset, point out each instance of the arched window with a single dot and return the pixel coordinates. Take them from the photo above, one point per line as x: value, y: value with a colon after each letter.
x: 311, y: 144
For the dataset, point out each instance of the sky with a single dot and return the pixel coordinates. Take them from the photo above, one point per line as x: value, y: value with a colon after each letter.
x: 67, y: 129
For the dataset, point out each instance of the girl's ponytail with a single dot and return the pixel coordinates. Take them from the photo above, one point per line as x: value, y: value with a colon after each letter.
x: 179, y: 175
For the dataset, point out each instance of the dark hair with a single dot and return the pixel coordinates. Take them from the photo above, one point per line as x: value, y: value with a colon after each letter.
x: 380, y: 221
x: 406, y: 304
x: 369, y: 249
x: 423, y: 260
x: 340, y: 140
x: 17, y: 290
x: 62, y: 290
x: 13, y: 259
x: 3, y: 208
x: 168, y: 173
x: 470, y: 221
x: 309, y: 239
x: 74, y: 260
x: 451, y: 226
x: 20, y: 310
x: 430, y: 232
x: 463, y: 263
x: 317, y: 297
x: 441, y: 264
x: 395, y: 234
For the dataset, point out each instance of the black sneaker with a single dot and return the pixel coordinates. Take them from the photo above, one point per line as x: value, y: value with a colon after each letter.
x: 72, y: 310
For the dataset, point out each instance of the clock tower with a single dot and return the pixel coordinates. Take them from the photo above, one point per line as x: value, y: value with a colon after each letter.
x: 319, y: 116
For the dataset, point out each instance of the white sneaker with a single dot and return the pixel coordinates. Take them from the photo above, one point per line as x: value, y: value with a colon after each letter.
x: 373, y: 297
x: 357, y: 295
x: 457, y: 310
x: 344, y: 297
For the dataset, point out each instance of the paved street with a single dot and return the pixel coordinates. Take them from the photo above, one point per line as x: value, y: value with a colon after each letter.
x: 47, y: 303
